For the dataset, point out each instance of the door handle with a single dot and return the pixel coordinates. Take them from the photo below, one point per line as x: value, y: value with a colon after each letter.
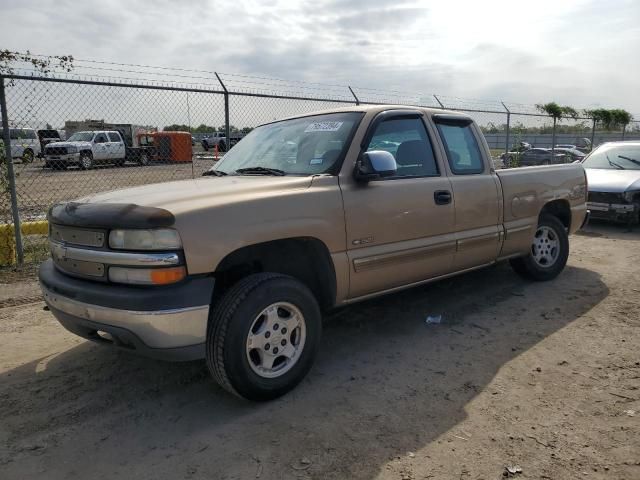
x: 442, y: 197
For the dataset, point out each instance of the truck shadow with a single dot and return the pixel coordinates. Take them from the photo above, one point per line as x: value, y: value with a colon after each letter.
x: 385, y: 383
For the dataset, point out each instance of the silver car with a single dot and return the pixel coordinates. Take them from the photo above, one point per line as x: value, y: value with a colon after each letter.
x: 613, y: 175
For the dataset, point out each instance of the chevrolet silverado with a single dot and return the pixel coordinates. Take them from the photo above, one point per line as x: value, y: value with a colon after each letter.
x: 302, y: 216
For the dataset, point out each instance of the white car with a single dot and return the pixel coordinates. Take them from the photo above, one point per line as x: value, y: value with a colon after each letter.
x: 86, y: 149
x: 24, y: 144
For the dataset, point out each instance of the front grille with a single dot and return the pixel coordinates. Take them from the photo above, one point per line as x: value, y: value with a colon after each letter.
x: 606, y: 197
x: 78, y: 236
x: 55, y: 150
x: 63, y: 236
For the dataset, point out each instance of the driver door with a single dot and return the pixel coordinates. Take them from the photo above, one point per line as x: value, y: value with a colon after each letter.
x: 400, y: 229
x: 100, y: 147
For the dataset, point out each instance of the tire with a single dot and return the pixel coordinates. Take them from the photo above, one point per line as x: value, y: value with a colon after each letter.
x: 27, y: 156
x: 549, y: 251
x: 238, y: 320
x: 144, y: 159
x: 205, y: 145
x: 119, y: 162
x: 222, y: 147
x: 86, y: 161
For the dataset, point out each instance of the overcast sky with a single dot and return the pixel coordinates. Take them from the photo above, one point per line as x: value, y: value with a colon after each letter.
x: 583, y: 53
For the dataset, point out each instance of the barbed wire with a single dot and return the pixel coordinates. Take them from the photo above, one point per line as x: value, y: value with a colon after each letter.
x: 260, y: 84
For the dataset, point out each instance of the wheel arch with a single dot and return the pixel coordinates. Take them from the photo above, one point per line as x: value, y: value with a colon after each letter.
x: 559, y: 209
x: 304, y: 258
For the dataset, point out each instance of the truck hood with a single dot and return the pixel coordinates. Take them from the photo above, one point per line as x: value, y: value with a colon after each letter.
x: 69, y: 144
x: 612, y: 181
x: 206, y: 192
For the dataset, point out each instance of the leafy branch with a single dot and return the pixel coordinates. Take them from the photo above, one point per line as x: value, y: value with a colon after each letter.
x: 42, y: 64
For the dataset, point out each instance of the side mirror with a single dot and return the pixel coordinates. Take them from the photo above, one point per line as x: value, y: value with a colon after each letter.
x: 375, y: 164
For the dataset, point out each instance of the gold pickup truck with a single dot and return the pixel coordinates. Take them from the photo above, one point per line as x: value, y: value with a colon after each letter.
x: 302, y: 216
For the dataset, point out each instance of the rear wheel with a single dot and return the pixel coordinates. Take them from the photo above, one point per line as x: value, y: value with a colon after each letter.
x: 222, y: 147
x: 86, y: 161
x: 263, y: 336
x: 549, y: 251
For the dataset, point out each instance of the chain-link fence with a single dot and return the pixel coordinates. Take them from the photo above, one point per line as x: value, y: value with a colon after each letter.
x: 157, y: 133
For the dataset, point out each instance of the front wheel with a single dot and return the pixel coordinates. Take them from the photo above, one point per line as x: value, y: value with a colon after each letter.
x: 144, y: 159
x: 86, y: 161
x: 549, y: 251
x: 263, y: 336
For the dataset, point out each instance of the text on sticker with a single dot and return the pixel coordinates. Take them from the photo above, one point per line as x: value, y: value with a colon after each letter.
x: 323, y: 127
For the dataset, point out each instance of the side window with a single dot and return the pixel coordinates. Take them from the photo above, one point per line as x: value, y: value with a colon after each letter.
x: 462, y: 148
x: 14, y: 134
x: 30, y: 134
x: 100, y: 138
x: 407, y: 140
x: 114, y: 137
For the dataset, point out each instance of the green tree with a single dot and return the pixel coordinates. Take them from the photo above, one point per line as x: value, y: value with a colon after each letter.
x: 557, y: 112
x: 177, y: 128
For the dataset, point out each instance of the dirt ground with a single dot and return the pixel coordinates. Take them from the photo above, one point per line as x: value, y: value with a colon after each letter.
x: 544, y: 376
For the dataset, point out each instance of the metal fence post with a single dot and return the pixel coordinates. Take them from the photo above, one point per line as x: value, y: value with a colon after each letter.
x: 11, y: 174
x: 354, y: 95
x: 439, y: 102
x: 506, y: 143
x: 553, y: 138
x: 227, y: 127
x: 593, y: 133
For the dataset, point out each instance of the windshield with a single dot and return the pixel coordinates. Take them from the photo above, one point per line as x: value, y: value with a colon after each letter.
x: 301, y: 146
x: 614, y: 157
x: 81, y: 137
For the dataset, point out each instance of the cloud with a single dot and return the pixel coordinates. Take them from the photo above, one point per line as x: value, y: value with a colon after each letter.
x: 577, y: 52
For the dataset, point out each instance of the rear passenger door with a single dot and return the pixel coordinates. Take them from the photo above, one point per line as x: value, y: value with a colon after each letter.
x: 476, y: 194
x: 116, y: 146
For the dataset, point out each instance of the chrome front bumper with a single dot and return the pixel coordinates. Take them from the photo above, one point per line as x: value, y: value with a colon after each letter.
x: 156, y: 329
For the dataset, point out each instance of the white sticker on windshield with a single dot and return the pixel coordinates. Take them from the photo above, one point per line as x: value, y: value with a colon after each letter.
x: 323, y: 127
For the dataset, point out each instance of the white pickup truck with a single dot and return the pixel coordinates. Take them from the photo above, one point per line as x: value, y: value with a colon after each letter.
x: 86, y: 149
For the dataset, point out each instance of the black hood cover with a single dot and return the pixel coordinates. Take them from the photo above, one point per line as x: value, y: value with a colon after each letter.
x: 109, y: 215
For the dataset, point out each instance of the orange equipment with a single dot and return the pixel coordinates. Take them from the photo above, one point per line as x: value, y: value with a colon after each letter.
x: 172, y: 146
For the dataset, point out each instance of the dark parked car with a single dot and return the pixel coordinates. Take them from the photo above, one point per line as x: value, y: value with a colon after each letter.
x: 573, y: 154
x: 540, y: 156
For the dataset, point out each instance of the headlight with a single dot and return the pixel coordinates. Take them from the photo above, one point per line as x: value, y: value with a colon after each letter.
x: 72, y: 149
x: 146, y: 276
x: 631, y: 195
x: 155, y: 239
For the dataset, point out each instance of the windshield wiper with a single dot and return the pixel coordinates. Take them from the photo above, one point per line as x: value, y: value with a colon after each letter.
x: 214, y: 173
x: 261, y: 171
x: 614, y: 164
x: 633, y: 160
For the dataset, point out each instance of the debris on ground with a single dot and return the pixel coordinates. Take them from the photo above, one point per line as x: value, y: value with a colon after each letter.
x: 433, y: 319
x: 512, y: 471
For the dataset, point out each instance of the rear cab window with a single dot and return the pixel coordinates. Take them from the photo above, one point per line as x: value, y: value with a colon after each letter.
x: 460, y: 143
